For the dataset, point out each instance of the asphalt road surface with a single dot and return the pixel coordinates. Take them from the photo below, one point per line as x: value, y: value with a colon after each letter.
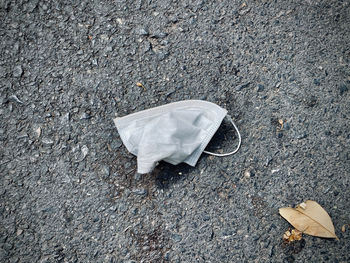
x: 69, y: 191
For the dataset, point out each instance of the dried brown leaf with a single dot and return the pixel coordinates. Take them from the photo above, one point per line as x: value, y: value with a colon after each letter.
x: 281, y: 122
x: 139, y: 84
x: 294, y: 235
x: 343, y: 228
x: 310, y: 218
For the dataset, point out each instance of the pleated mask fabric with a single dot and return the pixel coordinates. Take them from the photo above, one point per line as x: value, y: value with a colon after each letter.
x: 175, y: 133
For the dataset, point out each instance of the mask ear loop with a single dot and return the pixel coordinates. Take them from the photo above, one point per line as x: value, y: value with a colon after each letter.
x: 239, y: 142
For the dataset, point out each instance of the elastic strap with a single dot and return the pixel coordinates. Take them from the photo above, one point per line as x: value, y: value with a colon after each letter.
x: 239, y: 141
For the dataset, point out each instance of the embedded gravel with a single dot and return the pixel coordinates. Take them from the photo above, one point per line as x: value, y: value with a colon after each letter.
x: 69, y: 192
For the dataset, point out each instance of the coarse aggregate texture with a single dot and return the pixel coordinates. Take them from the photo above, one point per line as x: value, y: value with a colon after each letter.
x: 69, y: 192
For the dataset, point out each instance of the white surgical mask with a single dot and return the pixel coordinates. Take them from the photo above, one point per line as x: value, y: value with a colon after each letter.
x: 175, y: 133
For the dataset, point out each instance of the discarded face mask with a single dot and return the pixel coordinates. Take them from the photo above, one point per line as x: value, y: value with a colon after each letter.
x: 175, y: 133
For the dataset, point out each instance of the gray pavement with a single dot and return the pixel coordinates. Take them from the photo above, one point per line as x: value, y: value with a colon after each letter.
x: 69, y: 192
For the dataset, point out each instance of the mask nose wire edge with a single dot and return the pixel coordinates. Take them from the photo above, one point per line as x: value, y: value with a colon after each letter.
x: 238, y: 146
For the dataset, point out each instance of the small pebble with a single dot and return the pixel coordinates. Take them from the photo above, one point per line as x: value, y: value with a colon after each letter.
x: 116, y: 144
x: 17, y: 71
x: 65, y: 118
x: 84, y: 152
x: 242, y: 86
x: 38, y: 132
x: 123, y: 208
x: 47, y: 141
x: 13, y: 98
x: 2, y: 72
x: 106, y: 170
x: 143, y: 32
x: 176, y: 237
x: 301, y: 135
x: 19, y: 232
x: 137, y: 177
x: 160, y: 35
x: 244, y: 11
x: 291, y: 79
x: 85, y: 116
x: 260, y: 88
x: 317, y: 82
x: 22, y: 135
x: 145, y: 248
x: 113, y: 208
x: 140, y: 191
x: 342, y: 89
